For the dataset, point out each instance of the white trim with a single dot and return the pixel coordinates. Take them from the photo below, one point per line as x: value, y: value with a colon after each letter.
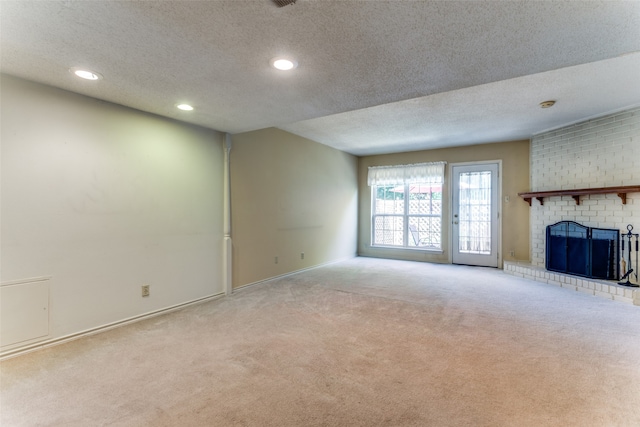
x: 291, y: 273
x: 92, y: 331
x: 406, y: 216
x: 499, y: 203
x: 23, y: 281
x: 227, y: 246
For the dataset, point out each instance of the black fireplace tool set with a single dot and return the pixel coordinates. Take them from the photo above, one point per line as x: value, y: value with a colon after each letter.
x: 626, y: 265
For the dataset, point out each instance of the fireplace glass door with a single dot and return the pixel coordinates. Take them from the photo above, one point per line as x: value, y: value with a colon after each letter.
x: 584, y: 251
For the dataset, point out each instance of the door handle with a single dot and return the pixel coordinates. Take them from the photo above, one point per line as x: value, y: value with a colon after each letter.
x: 455, y: 222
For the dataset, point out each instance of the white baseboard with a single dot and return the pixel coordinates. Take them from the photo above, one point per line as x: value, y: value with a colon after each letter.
x: 291, y: 273
x: 99, y: 329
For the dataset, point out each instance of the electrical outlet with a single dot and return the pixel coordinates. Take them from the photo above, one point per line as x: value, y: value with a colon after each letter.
x: 145, y: 291
x: 301, y: 255
x: 276, y: 260
x: 512, y: 253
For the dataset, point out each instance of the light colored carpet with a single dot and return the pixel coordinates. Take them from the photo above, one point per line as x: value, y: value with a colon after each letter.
x: 365, y: 342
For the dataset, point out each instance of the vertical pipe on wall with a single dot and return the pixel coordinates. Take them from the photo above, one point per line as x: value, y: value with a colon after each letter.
x: 228, y: 247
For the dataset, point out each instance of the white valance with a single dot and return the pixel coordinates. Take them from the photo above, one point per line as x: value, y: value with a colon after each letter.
x: 428, y: 173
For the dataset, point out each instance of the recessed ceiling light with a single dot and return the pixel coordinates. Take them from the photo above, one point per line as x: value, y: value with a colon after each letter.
x: 86, y: 74
x: 283, y: 64
x: 185, y: 107
x: 547, y: 104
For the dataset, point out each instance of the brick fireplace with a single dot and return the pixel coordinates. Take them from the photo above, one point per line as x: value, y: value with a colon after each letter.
x: 602, y: 152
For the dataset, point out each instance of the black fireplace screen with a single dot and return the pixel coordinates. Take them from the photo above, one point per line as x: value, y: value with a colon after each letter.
x: 584, y: 251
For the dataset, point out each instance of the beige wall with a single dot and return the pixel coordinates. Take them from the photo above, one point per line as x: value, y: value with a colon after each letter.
x: 289, y: 195
x: 515, y: 212
x: 103, y: 199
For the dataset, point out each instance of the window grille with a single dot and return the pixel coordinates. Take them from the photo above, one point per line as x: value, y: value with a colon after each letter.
x: 407, y: 205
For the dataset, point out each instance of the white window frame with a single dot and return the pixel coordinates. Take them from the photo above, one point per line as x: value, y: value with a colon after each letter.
x: 425, y: 174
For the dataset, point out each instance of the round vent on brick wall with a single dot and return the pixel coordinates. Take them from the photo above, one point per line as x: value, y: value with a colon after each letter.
x: 282, y: 3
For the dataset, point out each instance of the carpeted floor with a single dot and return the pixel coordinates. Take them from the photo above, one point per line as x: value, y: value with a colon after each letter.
x: 365, y: 342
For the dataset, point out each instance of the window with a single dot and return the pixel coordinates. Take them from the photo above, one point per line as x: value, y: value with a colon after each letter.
x: 407, y: 205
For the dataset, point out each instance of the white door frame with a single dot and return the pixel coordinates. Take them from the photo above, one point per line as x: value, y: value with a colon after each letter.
x: 499, y: 207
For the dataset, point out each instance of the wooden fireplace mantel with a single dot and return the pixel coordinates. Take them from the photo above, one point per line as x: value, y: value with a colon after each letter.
x: 576, y: 193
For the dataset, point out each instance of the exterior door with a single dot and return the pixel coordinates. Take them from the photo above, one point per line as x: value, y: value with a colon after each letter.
x: 475, y: 214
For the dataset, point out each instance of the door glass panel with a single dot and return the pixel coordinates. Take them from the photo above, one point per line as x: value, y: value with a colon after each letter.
x: 475, y: 213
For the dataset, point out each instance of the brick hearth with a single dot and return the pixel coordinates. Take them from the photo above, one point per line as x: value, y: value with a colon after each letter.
x: 600, y: 288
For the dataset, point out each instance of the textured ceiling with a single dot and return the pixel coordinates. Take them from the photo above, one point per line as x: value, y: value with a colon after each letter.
x: 374, y: 76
